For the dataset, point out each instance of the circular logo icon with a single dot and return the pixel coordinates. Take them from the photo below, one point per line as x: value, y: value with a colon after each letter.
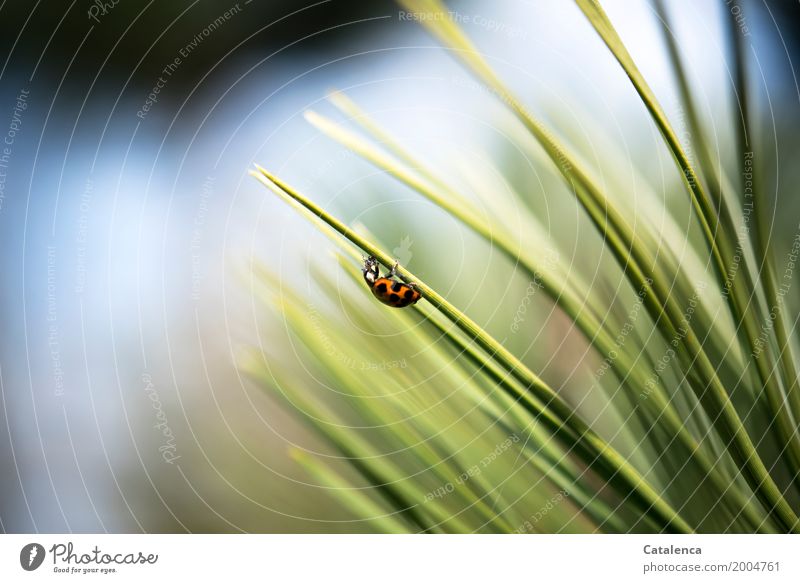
x: 31, y: 556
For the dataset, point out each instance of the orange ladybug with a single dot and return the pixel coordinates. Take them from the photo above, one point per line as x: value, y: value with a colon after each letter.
x: 388, y: 290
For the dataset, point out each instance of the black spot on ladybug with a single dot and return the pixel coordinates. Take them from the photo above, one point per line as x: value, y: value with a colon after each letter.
x: 409, y: 294
x: 397, y: 286
x: 381, y: 287
x: 394, y: 298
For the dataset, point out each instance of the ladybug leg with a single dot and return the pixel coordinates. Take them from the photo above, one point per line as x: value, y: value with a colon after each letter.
x: 413, y: 286
x: 393, y: 273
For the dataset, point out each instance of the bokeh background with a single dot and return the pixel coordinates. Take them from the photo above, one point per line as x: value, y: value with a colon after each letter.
x: 128, y: 231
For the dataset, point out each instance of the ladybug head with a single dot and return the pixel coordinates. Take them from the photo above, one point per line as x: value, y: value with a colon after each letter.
x: 370, y: 270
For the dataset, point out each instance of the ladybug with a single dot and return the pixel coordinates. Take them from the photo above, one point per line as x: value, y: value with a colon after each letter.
x: 388, y: 290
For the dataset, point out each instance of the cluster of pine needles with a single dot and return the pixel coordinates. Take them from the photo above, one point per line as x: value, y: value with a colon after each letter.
x: 463, y: 436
